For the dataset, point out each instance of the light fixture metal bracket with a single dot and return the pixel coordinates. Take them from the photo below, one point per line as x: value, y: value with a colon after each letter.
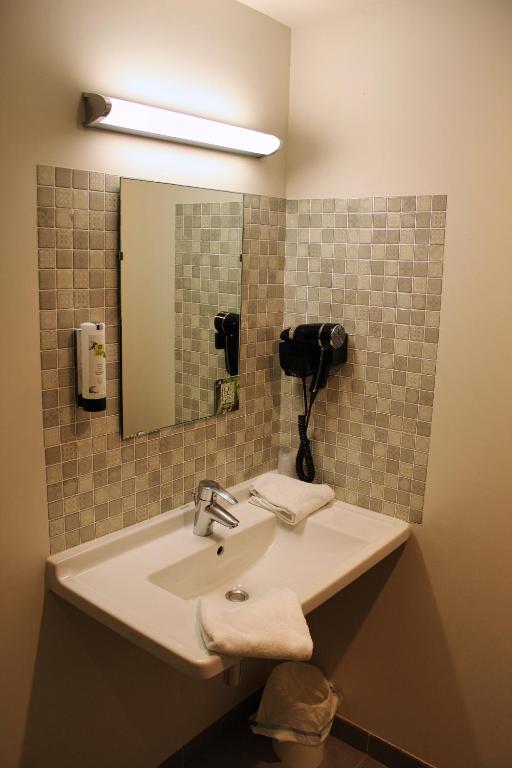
x: 96, y: 106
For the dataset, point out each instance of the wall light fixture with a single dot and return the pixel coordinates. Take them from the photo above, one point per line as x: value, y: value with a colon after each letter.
x: 129, y: 117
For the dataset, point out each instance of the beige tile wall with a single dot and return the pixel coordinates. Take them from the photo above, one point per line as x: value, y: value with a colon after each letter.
x: 97, y: 482
x: 376, y: 266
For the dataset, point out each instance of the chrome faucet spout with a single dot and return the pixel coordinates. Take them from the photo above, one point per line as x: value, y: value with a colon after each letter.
x: 208, y: 509
x: 221, y: 515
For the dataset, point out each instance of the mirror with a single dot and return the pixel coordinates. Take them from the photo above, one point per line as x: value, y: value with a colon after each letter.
x: 181, y: 270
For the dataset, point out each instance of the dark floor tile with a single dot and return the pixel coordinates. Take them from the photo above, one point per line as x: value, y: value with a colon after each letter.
x: 238, y: 748
x: 230, y: 743
x: 175, y: 761
x: 341, y: 755
x: 243, y: 749
x: 369, y: 762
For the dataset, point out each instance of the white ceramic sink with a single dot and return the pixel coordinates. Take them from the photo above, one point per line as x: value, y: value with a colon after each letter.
x: 144, y: 582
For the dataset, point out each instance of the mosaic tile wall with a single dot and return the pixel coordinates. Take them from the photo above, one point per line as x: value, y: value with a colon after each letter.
x: 97, y: 482
x: 376, y: 266
x: 208, y: 267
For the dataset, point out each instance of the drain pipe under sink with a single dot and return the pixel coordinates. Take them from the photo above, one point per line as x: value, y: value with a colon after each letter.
x: 233, y: 675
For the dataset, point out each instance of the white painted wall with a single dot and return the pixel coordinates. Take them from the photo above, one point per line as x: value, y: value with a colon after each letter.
x: 72, y: 693
x: 410, y: 97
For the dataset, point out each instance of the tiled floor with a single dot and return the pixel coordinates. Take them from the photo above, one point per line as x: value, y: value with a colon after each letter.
x: 242, y: 749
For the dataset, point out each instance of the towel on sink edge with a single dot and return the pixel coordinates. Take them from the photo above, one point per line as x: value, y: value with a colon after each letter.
x: 291, y: 500
x: 271, y: 627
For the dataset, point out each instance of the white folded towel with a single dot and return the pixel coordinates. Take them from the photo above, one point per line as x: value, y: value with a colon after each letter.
x: 291, y: 500
x: 271, y: 627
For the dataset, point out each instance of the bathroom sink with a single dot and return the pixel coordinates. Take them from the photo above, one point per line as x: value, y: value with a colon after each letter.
x: 144, y: 582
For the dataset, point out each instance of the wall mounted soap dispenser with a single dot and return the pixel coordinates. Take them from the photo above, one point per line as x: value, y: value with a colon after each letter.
x: 91, y: 373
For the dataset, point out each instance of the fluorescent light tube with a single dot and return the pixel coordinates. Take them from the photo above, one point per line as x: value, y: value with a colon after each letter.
x: 130, y: 117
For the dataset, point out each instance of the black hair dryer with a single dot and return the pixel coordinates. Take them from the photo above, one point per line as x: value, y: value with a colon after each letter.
x: 310, y: 350
x: 227, y: 337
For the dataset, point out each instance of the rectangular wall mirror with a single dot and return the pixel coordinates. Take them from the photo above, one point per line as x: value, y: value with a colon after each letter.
x: 181, y: 270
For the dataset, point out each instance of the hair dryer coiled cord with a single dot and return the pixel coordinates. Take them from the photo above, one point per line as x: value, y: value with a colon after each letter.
x: 304, y: 464
x: 304, y: 455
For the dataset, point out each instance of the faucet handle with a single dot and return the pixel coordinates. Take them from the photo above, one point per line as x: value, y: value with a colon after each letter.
x: 225, y: 495
x: 207, y: 489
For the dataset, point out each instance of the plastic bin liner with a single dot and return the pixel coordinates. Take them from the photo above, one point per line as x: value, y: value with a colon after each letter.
x: 298, y: 704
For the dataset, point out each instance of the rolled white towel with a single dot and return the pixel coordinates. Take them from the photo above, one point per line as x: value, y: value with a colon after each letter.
x: 271, y: 627
x: 291, y: 500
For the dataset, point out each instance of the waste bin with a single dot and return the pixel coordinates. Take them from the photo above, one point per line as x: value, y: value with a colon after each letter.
x: 296, y: 711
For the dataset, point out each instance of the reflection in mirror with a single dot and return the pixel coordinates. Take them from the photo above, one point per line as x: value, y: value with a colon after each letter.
x: 180, y: 303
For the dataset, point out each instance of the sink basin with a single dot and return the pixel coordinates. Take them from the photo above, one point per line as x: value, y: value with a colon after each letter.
x: 144, y: 582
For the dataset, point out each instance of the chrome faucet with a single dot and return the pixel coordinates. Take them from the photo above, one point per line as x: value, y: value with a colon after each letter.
x: 209, y: 511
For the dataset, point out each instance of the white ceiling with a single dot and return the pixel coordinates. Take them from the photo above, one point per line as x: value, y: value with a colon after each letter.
x: 295, y: 13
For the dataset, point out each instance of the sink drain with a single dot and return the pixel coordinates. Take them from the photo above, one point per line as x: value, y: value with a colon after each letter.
x: 237, y: 595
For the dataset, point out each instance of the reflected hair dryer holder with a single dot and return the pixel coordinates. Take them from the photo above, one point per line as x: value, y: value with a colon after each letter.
x: 311, y: 350
x: 227, y: 337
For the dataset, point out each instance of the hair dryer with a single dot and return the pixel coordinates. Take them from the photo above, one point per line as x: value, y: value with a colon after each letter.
x: 227, y: 337
x: 310, y: 350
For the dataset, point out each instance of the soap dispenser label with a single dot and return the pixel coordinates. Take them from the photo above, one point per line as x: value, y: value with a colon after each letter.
x: 97, y: 363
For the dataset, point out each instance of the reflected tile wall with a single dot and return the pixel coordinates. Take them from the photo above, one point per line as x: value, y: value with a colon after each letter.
x: 96, y: 481
x: 376, y: 266
x: 208, y: 269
